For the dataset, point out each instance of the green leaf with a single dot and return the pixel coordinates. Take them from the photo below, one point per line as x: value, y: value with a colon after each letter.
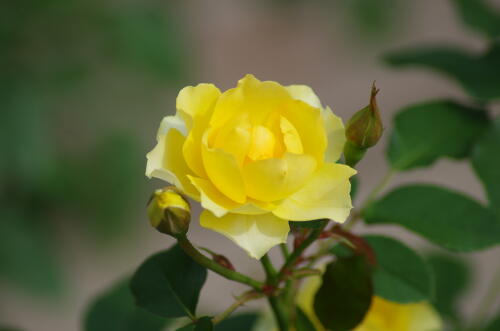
x: 478, y: 74
x: 202, y: 324
x: 486, y: 163
x: 316, y: 224
x: 494, y: 325
x: 169, y: 284
x: 425, y: 132
x: 447, y: 218
x: 342, y: 251
x: 452, y: 276
x: 303, y: 323
x: 240, y: 322
x: 26, y: 256
x: 115, y: 310
x: 401, y: 274
x: 345, y: 294
x: 479, y: 16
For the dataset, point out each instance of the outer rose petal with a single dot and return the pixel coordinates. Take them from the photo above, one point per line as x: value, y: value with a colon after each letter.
x: 195, y: 105
x: 196, y: 101
x: 275, y: 179
x: 252, y: 96
x: 256, y: 234
x: 304, y: 93
x: 223, y: 171
x: 335, y: 133
x: 325, y: 195
x: 165, y: 161
x: 211, y: 198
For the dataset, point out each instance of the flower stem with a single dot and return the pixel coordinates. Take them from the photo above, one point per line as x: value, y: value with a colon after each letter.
x: 279, y: 311
x: 248, y: 296
x: 292, y: 259
x: 201, y: 259
x: 284, y: 250
x: 268, y: 267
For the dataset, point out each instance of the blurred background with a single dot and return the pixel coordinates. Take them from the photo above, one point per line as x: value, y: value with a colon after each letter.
x: 85, y: 83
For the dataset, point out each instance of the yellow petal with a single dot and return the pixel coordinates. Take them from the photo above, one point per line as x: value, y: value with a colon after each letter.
x: 256, y: 234
x: 171, y: 122
x: 335, y: 134
x: 262, y: 143
x: 223, y: 171
x: 291, y: 137
x: 305, y: 299
x: 195, y: 104
x: 309, y: 124
x: 196, y: 101
x: 234, y: 137
x: 211, y: 198
x: 385, y: 315
x: 165, y: 161
x: 304, y: 93
x: 275, y: 179
x: 251, y: 96
x: 325, y: 195
x: 423, y: 317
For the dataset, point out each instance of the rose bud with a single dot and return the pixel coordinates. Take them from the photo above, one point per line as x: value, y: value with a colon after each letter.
x: 169, y: 212
x: 363, y: 130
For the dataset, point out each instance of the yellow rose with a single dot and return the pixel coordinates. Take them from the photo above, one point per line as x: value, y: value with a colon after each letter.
x: 255, y: 156
x: 383, y: 315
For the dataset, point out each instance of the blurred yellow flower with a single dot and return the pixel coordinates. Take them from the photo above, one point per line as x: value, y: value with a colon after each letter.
x: 255, y: 156
x: 383, y: 315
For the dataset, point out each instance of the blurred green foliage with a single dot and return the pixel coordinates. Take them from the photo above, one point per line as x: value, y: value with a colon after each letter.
x: 51, y: 51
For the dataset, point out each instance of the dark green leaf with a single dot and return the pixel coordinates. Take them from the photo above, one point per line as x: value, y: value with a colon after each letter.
x: 345, y: 294
x: 303, y: 323
x: 479, y: 16
x: 202, y: 324
x: 479, y: 75
x: 494, y: 325
x: 445, y: 217
x: 425, y: 132
x: 169, y: 284
x: 452, y: 277
x: 26, y: 257
x: 115, y: 310
x: 342, y: 251
x: 316, y: 224
x: 486, y: 163
x: 240, y: 322
x: 401, y: 274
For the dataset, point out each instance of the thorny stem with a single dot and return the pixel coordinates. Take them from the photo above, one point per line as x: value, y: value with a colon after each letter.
x: 201, y: 259
x: 284, y: 250
x: 240, y: 301
x: 276, y: 304
x: 296, y: 254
